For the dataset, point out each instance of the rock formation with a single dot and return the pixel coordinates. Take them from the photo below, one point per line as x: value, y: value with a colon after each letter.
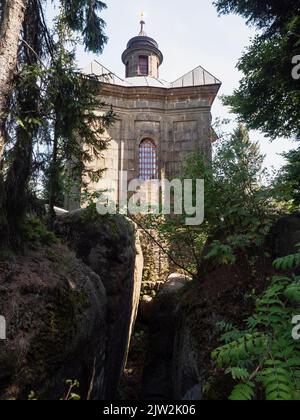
x: 110, y: 246
x: 56, y: 312
x: 70, y: 313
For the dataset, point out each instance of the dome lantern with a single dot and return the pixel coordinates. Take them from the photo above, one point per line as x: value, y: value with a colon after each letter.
x: 142, y: 56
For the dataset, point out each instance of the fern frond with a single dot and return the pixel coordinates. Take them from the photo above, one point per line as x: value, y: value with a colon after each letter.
x: 276, y: 381
x: 243, y: 392
x: 238, y: 374
x: 267, y: 343
x: 292, y: 293
x: 287, y: 263
x: 231, y: 336
x: 242, y: 349
x: 281, y: 280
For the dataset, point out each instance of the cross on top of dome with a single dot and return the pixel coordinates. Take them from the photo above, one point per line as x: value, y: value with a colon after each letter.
x: 143, y: 23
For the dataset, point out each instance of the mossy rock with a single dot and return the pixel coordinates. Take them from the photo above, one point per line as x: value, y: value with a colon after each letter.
x: 56, y: 309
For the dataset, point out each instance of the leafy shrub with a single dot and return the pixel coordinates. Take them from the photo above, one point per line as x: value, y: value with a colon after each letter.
x: 288, y: 263
x: 265, y: 357
x: 69, y: 395
x: 221, y: 253
x: 35, y: 233
x: 238, y: 207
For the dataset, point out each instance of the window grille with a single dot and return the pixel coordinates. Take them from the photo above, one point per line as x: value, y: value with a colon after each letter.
x: 148, y: 160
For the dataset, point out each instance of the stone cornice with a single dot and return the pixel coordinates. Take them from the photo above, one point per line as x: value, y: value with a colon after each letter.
x: 209, y: 92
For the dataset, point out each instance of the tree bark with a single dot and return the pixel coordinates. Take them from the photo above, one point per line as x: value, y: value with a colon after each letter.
x: 13, y: 16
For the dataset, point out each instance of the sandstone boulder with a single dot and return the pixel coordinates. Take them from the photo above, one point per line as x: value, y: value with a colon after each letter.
x: 110, y: 246
x: 70, y: 314
x: 284, y: 236
x: 56, y: 313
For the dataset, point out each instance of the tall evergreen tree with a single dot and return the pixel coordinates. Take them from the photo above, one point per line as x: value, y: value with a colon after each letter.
x: 268, y: 97
x: 77, y: 131
x: 26, y: 111
x: 12, y: 16
x: 289, y: 176
x: 51, y: 103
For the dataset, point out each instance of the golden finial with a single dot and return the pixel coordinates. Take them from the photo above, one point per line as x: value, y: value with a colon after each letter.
x: 142, y: 22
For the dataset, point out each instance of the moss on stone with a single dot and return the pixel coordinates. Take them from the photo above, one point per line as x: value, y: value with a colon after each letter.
x: 49, y: 349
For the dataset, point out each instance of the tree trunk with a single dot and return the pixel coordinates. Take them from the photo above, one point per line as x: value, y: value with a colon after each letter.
x: 13, y: 16
x: 27, y: 97
x: 3, y: 218
x: 54, y: 175
x: 16, y: 185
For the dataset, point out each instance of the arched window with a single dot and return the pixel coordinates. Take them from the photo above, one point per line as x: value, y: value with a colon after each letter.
x: 148, y: 160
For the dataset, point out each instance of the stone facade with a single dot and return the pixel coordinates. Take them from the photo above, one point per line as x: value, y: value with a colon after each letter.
x: 177, y: 120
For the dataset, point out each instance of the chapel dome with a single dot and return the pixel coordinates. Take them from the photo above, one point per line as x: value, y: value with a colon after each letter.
x: 142, y: 56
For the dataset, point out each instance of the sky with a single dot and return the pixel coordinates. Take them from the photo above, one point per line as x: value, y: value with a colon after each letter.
x: 189, y: 33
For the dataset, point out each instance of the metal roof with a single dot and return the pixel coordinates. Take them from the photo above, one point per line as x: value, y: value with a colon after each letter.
x: 142, y: 40
x: 197, y: 77
x: 104, y: 74
x: 147, y: 81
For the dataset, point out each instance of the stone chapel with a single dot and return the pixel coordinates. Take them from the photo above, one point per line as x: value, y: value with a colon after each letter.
x: 157, y: 123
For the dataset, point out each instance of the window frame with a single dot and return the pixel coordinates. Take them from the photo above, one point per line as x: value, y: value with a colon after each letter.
x: 143, y: 68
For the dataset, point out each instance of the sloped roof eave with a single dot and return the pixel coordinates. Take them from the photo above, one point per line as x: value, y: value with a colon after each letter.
x: 195, y: 78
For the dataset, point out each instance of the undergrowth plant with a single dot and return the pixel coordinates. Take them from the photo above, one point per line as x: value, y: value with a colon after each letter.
x: 35, y: 234
x: 238, y: 207
x: 264, y: 359
x: 69, y: 395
